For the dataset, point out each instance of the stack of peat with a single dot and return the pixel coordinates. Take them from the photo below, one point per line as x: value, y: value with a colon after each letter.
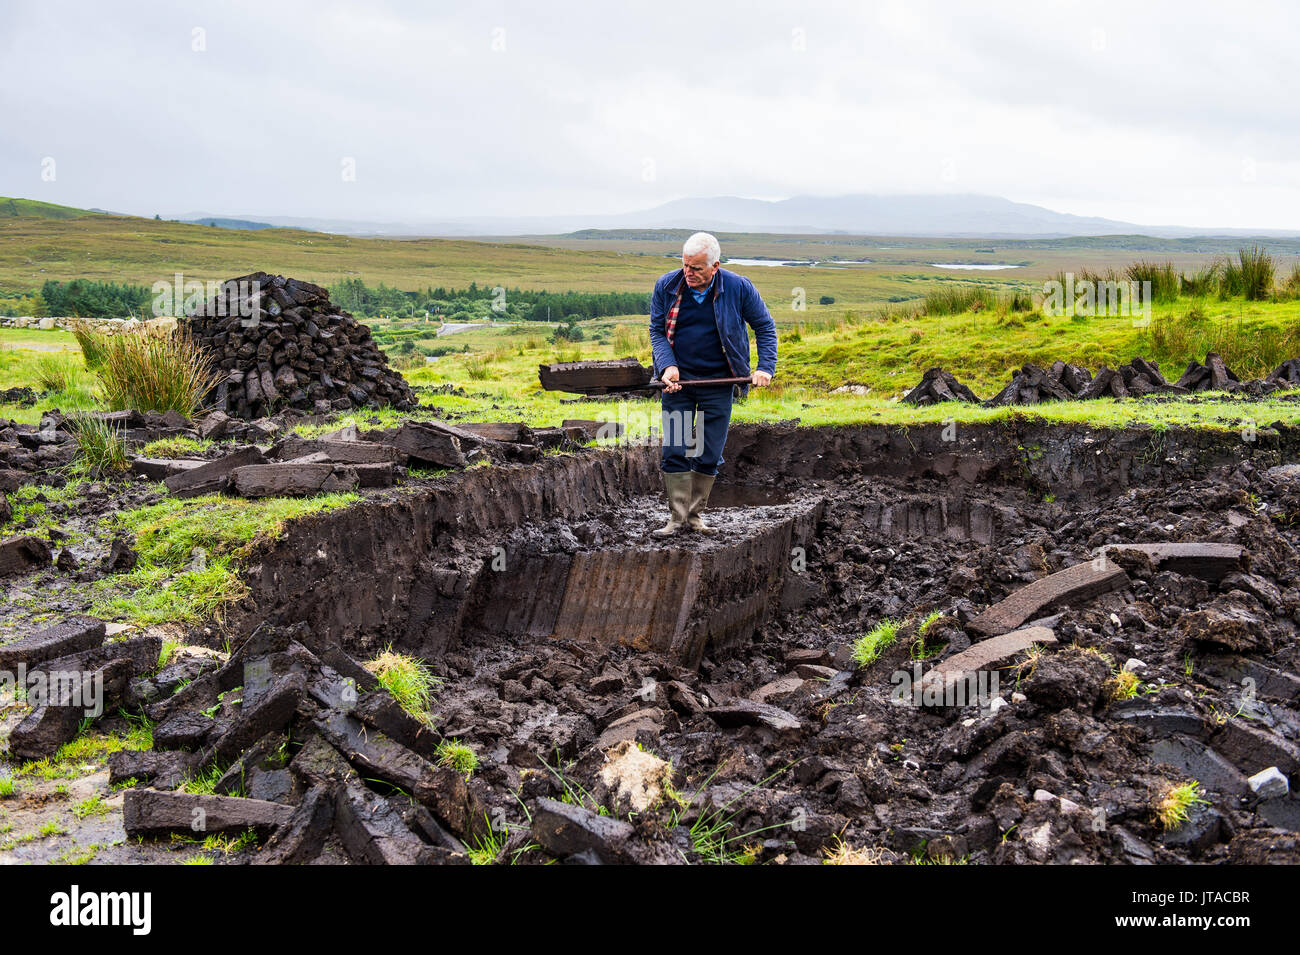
x: 1287, y: 374
x: 1032, y: 384
x: 937, y: 385
x: 1213, y: 375
x: 1064, y: 382
x: 279, y: 343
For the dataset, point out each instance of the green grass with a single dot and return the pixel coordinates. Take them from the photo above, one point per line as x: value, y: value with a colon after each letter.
x: 90, y: 748
x: 178, y: 447
x: 151, y: 371
x: 94, y: 346
x: 921, y: 649
x: 93, y: 806
x: 162, y: 586
x: 101, y: 449
x: 868, y: 648
x: 1176, y: 803
x: 409, y: 679
x: 203, y: 782
x: 458, y: 756
x: 1124, y: 685
x: 58, y: 371
x: 7, y: 786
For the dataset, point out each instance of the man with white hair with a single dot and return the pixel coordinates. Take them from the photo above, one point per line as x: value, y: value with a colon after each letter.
x: 698, y: 319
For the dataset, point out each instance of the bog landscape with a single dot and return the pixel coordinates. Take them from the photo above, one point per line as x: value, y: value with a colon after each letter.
x: 341, y: 544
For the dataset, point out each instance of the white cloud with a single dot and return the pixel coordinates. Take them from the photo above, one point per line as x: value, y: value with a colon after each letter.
x: 1153, y: 112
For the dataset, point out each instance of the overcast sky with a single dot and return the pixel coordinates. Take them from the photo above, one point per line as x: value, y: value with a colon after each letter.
x: 1175, y: 113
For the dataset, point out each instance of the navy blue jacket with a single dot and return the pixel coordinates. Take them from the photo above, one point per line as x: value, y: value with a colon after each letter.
x: 736, y: 303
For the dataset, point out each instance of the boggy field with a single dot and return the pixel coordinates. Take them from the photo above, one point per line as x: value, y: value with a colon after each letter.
x: 498, y: 666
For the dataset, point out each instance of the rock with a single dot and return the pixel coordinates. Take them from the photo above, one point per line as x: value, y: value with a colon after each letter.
x: 1270, y: 783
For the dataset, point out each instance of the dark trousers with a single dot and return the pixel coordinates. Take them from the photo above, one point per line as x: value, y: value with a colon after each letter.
x: 695, y: 422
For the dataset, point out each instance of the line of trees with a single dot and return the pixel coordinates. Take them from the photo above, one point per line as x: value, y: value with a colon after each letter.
x: 479, y: 303
x: 93, y: 299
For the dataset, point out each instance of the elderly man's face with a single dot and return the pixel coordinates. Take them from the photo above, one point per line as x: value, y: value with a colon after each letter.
x: 699, y: 270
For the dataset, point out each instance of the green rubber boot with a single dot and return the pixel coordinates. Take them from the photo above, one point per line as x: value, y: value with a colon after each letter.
x: 701, y: 487
x: 678, y: 486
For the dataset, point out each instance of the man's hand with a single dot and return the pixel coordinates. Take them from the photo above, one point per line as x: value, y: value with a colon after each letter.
x: 760, y: 379
x: 670, y: 378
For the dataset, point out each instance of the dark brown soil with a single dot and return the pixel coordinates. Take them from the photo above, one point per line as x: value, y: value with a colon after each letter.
x: 560, y: 628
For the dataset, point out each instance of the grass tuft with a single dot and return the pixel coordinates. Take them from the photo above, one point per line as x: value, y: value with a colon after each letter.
x: 152, y: 371
x: 408, y: 679
x: 868, y: 648
x: 101, y: 448
x: 458, y: 756
x: 1176, y: 803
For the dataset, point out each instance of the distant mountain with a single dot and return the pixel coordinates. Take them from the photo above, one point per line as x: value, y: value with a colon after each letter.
x: 229, y: 223
x: 957, y: 215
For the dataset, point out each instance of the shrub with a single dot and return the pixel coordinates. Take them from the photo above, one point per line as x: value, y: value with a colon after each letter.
x: 152, y: 371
